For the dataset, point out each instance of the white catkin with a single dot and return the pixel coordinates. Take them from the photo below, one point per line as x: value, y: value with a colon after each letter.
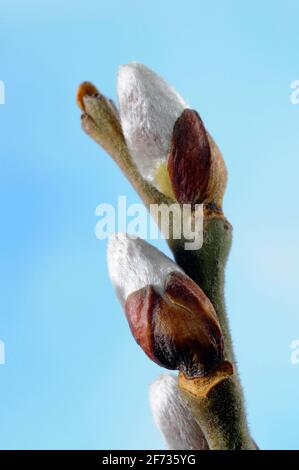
x: 149, y: 108
x: 173, y: 418
x: 133, y: 264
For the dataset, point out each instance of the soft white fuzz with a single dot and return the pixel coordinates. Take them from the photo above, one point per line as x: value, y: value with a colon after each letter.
x: 172, y: 417
x: 133, y: 263
x: 149, y: 108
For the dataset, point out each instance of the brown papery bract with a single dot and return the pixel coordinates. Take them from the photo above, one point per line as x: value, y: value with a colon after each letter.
x: 178, y: 329
x: 195, y: 165
x: 189, y: 158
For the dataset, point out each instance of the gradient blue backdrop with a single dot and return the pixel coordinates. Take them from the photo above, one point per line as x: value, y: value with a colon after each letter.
x: 74, y: 378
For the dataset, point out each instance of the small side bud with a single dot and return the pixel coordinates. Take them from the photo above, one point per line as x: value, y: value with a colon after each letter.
x: 85, y: 89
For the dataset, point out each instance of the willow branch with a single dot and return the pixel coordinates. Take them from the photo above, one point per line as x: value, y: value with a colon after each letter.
x: 216, y: 401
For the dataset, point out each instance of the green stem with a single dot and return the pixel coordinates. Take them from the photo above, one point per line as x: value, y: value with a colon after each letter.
x: 221, y: 414
x: 206, y: 267
x: 219, y: 411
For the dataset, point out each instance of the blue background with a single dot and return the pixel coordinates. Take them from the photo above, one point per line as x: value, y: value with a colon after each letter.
x: 74, y: 377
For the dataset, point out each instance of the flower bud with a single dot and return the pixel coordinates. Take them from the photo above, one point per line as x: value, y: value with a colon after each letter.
x: 169, y: 315
x: 133, y: 264
x: 149, y: 108
x: 173, y: 417
x: 168, y: 142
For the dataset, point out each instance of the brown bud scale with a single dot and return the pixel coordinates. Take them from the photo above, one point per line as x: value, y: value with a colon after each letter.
x: 195, y: 165
x: 189, y: 158
x: 178, y: 329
